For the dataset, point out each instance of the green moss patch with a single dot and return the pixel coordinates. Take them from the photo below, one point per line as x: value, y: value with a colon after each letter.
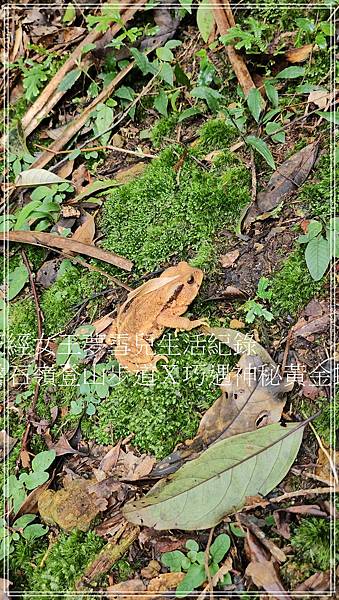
x: 167, y: 408
x: 316, y: 194
x: 292, y: 286
x: 166, y: 212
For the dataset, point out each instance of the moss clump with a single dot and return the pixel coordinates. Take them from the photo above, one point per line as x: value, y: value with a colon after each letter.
x: 22, y: 327
x: 216, y: 134
x: 311, y: 542
x: 163, y: 213
x: 325, y: 423
x: 64, y: 564
x: 59, y: 301
x: 162, y: 129
x: 159, y: 411
x: 317, y: 193
x: 292, y: 287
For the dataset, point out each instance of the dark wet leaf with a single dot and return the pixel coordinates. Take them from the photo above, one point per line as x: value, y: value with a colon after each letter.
x: 287, y: 178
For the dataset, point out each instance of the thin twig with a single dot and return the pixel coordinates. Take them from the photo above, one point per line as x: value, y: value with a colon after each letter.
x: 254, y: 178
x: 288, y: 495
x: 137, y: 153
x: 207, y: 558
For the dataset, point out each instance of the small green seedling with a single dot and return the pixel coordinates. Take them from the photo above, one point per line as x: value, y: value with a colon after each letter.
x: 16, y: 489
x: 319, y: 249
x: 193, y: 564
x: 22, y: 527
x: 256, y: 309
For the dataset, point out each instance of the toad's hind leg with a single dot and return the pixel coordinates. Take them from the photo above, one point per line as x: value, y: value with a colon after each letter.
x: 176, y: 322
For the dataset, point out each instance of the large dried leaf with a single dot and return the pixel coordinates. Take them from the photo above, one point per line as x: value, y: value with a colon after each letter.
x: 287, y: 178
x: 217, y: 483
x: 35, y: 177
x: 85, y: 233
x: 240, y: 342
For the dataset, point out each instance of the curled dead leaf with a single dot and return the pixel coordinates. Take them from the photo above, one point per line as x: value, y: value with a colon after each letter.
x: 165, y: 582
x: 297, y: 55
x: 227, y: 260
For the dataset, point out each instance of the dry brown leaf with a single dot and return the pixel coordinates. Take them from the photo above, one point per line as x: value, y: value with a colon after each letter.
x: 38, y: 238
x: 85, y: 233
x: 297, y: 55
x: 236, y: 324
x: 287, y: 178
x: 227, y: 260
x: 320, y: 98
x: 125, y: 590
x: 61, y: 447
x: 30, y: 504
x: 126, y: 175
x: 323, y: 468
x: 319, y: 582
x: 152, y: 570
x: 7, y: 443
x: 101, y: 324
x: 264, y: 575
x: 109, y: 461
x: 305, y: 328
x: 131, y: 467
x: 66, y: 169
x: 70, y: 211
x: 4, y: 589
x: 165, y: 582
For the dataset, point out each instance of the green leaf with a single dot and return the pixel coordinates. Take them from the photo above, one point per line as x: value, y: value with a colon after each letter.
x: 32, y: 532
x: 211, y: 96
x: 21, y: 522
x: 205, y: 19
x: 217, y: 483
x: 173, y: 44
x: 43, y: 460
x: 272, y: 93
x: 193, y: 579
x: 330, y: 116
x: 161, y: 103
x: 306, y: 88
x: 192, y: 545
x: 173, y: 560
x: 87, y: 48
x: 263, y: 290
x: 33, y: 480
x: 254, y: 103
x: 124, y: 92
x: 69, y: 80
x: 305, y: 24
x: 317, y: 256
x: 63, y: 352
x: 237, y: 531
x: 164, y: 54
x: 188, y: 113
x: 187, y: 5
x: 320, y: 40
x: 220, y: 547
x: 274, y: 130
x: 166, y: 73
x: 327, y: 28
x: 260, y: 146
x: 17, y: 280
x: 141, y: 60
x: 4, y: 366
x: 69, y: 14
x: 291, y: 73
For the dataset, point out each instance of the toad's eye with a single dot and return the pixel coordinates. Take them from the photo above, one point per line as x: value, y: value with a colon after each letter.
x: 190, y: 279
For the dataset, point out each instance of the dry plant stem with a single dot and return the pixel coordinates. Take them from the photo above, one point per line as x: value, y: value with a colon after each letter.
x: 39, y: 317
x: 288, y: 495
x: 51, y: 95
x: 225, y: 568
x: 254, y: 178
x: 286, y: 350
x: 110, y: 553
x: 38, y: 238
x: 278, y: 554
x: 237, y: 62
x: 327, y: 454
x: 140, y: 154
x: 207, y: 557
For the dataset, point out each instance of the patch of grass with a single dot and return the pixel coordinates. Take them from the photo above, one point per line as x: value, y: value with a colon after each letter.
x: 162, y: 213
x: 22, y: 327
x: 166, y: 412
x: 65, y: 562
x: 316, y: 194
x: 329, y: 415
x: 216, y: 134
x: 292, y: 286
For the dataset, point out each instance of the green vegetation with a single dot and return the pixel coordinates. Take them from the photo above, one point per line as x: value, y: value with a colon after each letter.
x: 316, y: 192
x: 162, y: 414
x: 327, y: 419
x: 311, y: 541
x: 163, y: 128
x: 181, y: 212
x: 66, y: 560
x: 292, y: 286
